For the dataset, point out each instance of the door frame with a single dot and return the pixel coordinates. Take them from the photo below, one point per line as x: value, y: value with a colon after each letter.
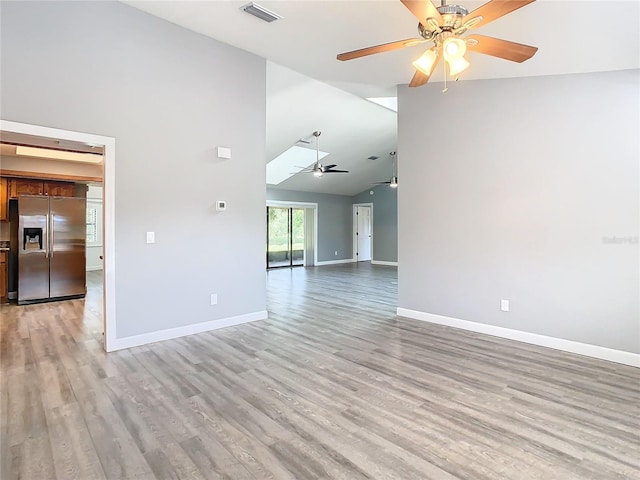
x: 355, y: 229
x: 108, y: 213
x: 314, y: 206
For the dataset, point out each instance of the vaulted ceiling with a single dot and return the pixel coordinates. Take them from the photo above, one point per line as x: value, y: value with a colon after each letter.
x: 352, y: 129
x: 317, y: 92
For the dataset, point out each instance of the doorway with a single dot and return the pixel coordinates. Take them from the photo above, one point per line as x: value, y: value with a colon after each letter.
x: 362, y: 231
x: 104, y: 296
x: 285, y: 237
x: 291, y: 234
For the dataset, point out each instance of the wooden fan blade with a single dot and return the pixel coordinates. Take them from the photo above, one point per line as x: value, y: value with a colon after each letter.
x: 327, y: 167
x: 495, y: 9
x: 385, y: 47
x: 336, y: 171
x: 388, y: 182
x: 516, y: 52
x: 423, y: 9
x: 420, y: 78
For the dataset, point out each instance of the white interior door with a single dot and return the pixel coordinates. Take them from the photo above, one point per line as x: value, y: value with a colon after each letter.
x: 363, y: 233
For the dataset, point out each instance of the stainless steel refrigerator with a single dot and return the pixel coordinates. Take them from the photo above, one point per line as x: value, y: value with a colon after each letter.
x: 51, y: 248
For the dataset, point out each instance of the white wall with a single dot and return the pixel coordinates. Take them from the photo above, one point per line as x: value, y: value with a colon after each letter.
x: 169, y: 97
x: 510, y: 190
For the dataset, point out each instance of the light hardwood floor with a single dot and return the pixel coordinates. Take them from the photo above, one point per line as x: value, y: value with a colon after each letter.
x: 333, y: 385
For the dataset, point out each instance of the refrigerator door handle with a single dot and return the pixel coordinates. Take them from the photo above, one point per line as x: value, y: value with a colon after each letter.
x: 46, y: 237
x: 51, y: 230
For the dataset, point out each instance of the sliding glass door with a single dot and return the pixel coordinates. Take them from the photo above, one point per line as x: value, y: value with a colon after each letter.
x: 285, y: 237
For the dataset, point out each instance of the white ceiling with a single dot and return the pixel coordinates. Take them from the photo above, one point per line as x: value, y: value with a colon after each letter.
x: 573, y: 36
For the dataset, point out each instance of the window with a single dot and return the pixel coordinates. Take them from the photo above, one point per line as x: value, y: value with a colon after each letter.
x: 92, y: 224
x: 94, y: 229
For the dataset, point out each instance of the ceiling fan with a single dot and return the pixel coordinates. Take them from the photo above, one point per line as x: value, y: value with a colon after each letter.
x: 393, y: 181
x: 317, y: 168
x: 444, y: 26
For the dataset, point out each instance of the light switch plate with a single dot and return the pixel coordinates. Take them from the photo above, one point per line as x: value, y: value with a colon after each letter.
x: 151, y: 237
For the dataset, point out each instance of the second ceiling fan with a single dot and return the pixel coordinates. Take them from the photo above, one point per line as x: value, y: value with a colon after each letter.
x: 393, y: 181
x: 317, y: 168
x: 444, y: 26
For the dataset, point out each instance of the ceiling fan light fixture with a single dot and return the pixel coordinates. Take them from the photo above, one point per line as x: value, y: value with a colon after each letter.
x: 394, y: 182
x: 317, y: 172
x: 426, y: 61
x: 457, y: 66
x: 453, y: 48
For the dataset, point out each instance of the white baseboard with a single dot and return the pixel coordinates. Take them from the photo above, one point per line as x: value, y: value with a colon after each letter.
x: 595, y: 351
x: 383, y: 262
x: 146, y: 338
x: 335, y: 262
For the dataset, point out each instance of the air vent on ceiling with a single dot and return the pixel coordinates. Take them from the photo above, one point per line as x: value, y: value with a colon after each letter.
x: 373, y: 157
x: 261, y: 12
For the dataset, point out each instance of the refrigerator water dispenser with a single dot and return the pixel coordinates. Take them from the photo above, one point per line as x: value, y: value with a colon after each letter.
x: 32, y: 239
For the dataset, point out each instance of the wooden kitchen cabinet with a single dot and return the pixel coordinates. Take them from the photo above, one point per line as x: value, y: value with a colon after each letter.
x: 4, y: 199
x: 4, y: 295
x: 23, y: 186
x: 58, y: 189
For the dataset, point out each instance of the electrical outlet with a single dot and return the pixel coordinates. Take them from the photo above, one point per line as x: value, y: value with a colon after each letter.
x: 504, y: 305
x: 336, y: 253
x: 214, y: 299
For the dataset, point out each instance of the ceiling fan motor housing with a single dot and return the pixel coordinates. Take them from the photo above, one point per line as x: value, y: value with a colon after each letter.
x: 457, y: 11
x: 452, y: 18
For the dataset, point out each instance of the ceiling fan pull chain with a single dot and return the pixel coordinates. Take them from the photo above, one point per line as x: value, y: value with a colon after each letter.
x: 444, y: 69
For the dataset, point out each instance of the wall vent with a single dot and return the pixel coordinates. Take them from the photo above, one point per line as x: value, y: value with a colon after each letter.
x: 261, y: 12
x: 373, y: 157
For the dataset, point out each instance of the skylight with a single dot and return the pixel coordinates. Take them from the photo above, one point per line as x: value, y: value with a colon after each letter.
x: 290, y: 162
x: 387, y: 102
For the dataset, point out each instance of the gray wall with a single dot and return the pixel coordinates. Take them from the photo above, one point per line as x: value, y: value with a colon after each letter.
x: 169, y: 97
x: 520, y: 203
x: 385, y: 221
x: 334, y: 221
